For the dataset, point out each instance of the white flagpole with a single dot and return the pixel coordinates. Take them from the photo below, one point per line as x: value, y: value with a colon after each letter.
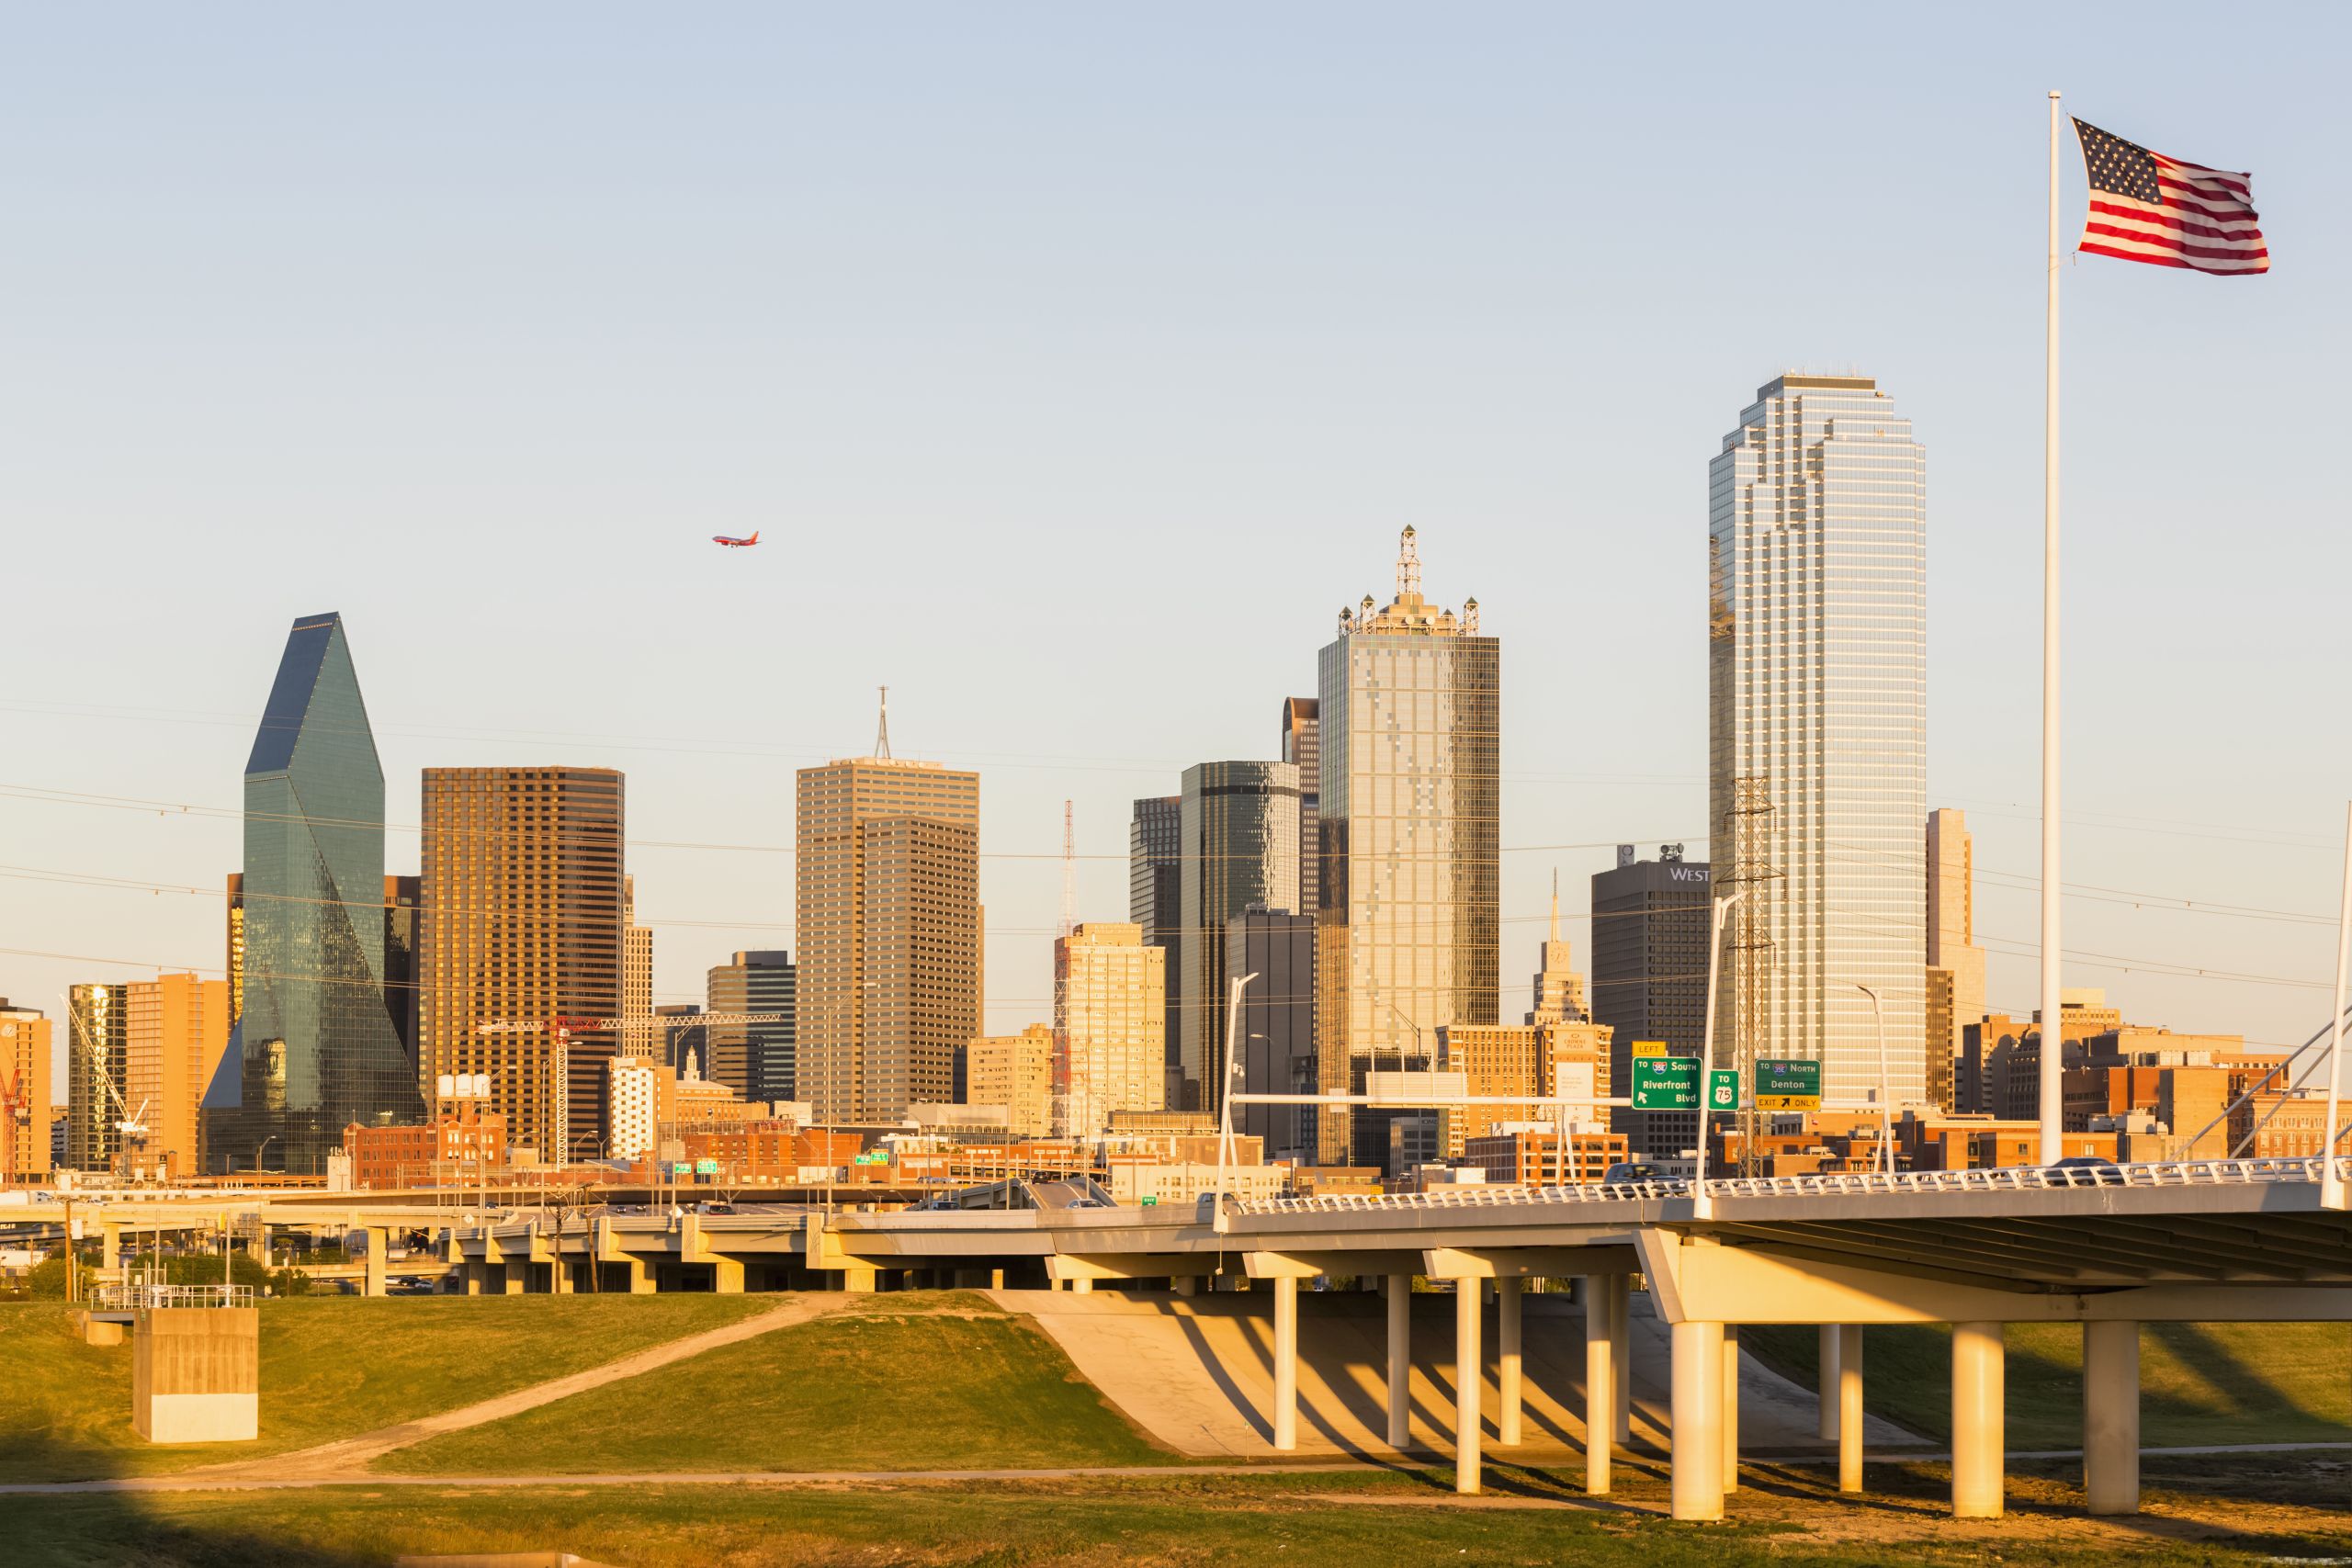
x: 2053, y: 1026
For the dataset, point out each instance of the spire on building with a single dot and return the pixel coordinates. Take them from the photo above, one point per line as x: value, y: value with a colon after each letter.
x: 1559, y: 989
x: 1408, y: 564
x: 882, y: 727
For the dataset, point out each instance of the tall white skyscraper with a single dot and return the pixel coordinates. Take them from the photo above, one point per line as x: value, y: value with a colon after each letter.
x: 1817, y: 756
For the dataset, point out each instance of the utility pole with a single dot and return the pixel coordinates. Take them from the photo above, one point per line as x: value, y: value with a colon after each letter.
x: 1751, y: 946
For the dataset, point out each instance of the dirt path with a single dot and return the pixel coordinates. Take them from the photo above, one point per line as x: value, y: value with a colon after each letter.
x: 348, y: 1457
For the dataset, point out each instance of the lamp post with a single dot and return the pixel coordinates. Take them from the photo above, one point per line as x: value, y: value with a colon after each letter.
x: 1702, y: 1207
x: 2331, y: 1174
x: 1885, y: 1089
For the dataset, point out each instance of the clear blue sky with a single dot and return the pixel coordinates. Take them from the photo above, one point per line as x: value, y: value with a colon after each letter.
x: 1077, y: 364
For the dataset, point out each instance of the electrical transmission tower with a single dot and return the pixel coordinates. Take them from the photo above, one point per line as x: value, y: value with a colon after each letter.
x: 1752, y: 872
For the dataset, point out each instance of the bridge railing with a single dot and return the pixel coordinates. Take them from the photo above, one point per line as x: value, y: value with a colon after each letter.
x: 1826, y: 1184
x: 140, y: 1295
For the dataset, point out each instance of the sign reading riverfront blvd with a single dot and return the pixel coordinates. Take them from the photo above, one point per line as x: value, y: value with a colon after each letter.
x: 1787, y: 1085
x: 1671, y: 1083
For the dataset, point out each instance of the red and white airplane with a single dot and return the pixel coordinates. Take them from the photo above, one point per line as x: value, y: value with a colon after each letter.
x: 736, y: 544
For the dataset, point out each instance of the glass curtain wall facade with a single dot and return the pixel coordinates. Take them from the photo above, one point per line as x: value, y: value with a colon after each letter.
x: 1239, y: 849
x: 1817, y: 668
x: 1110, y: 991
x: 1155, y: 836
x: 759, y: 982
x: 1302, y: 748
x: 1409, y: 914
x: 315, y: 1046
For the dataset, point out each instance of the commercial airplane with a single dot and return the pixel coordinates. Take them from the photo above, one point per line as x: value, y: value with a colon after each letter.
x: 736, y: 544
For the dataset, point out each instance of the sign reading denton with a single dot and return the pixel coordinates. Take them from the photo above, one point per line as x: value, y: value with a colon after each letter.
x: 1787, y: 1085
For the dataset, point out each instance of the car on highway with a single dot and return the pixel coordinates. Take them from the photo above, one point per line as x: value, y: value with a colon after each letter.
x: 1632, y: 1173
x: 2085, y: 1170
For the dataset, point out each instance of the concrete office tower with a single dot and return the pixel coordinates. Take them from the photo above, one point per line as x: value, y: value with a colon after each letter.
x: 1956, y: 989
x: 1559, y: 989
x: 143, y: 1051
x: 314, y: 1047
x: 1302, y: 748
x: 1239, y: 848
x: 1277, y: 1049
x: 1155, y: 835
x: 1649, y: 979
x: 755, y: 1060
x: 24, y: 1115
x: 1110, y: 1007
x: 523, y: 920
x: 1407, y: 916
x: 887, y: 921
x: 1817, y: 706
x: 638, y: 1039
x: 1015, y: 1071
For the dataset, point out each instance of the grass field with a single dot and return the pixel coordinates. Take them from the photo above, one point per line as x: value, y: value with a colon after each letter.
x: 894, y: 1383
x: 2234, y: 1382
x: 1298, y: 1521
x: 330, y: 1367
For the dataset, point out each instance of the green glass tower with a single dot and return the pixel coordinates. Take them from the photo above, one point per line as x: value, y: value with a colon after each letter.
x: 314, y: 1048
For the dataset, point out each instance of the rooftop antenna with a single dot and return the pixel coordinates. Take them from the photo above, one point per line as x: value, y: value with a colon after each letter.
x: 882, y: 727
x: 1408, y: 564
x: 1555, y: 906
x: 1069, y: 872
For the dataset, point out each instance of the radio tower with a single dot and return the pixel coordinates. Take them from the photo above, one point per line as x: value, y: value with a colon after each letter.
x: 1069, y: 872
x: 882, y: 727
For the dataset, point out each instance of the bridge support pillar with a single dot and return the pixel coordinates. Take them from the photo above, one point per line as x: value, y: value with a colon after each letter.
x: 860, y: 1280
x: 1978, y: 1399
x: 109, y: 1245
x: 641, y: 1280
x: 1604, y: 1297
x: 1508, y: 1363
x: 378, y: 1244
x: 2111, y: 1417
x: 518, y: 1277
x: 1731, y: 1408
x: 1082, y: 1286
x: 559, y: 1273
x: 1698, y: 1438
x: 726, y: 1277
x: 1847, y: 1338
x: 1621, y: 1351
x: 1400, y: 1359
x: 1285, y: 1363
x: 1469, y: 1382
x: 1186, y: 1284
x: 1826, y: 1389
x: 473, y: 1273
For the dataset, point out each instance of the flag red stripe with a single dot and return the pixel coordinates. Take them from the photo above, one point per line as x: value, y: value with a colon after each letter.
x: 2177, y: 246
x: 2211, y: 206
x: 2138, y: 213
x: 2090, y: 250
x: 2241, y: 184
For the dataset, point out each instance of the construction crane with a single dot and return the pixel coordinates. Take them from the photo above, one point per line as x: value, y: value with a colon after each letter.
x: 16, y: 1118
x: 128, y: 1126
x: 563, y: 1026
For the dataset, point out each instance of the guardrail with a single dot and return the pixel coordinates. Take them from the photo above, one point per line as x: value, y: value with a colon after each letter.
x: 142, y: 1297
x: 2006, y: 1179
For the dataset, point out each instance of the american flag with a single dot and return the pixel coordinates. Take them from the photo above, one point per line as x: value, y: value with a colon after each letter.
x: 2148, y: 207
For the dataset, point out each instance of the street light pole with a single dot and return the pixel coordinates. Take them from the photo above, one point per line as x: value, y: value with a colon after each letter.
x: 1885, y: 1089
x: 1702, y: 1207
x: 2331, y: 1174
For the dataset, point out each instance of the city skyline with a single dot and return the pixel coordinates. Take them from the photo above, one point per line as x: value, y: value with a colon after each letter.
x: 1471, y: 435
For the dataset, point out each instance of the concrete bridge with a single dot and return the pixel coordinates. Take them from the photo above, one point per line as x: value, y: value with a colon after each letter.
x: 2225, y: 1241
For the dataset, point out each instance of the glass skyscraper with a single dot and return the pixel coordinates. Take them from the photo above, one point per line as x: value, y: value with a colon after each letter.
x: 1238, y: 837
x: 1408, y: 914
x: 1817, y: 755
x: 314, y: 1047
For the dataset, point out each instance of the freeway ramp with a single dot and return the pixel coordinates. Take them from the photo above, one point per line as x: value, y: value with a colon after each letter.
x: 1197, y: 1373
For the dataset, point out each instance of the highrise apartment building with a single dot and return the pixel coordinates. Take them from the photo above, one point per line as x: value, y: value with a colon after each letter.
x: 1817, y: 704
x: 524, y: 921
x: 404, y: 907
x: 1110, y: 1007
x: 1155, y: 859
x: 1407, y: 916
x: 887, y: 922
x: 314, y: 1046
x: 1015, y: 1071
x: 1239, y: 836
x: 143, y: 1052
x: 1649, y: 979
x: 23, y: 1093
x: 1956, y: 986
x: 1302, y: 749
x: 755, y: 1060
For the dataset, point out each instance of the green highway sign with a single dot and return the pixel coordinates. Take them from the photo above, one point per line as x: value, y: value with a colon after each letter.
x: 1666, y: 1083
x: 705, y: 1168
x: 1723, y: 1089
x: 1788, y: 1085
